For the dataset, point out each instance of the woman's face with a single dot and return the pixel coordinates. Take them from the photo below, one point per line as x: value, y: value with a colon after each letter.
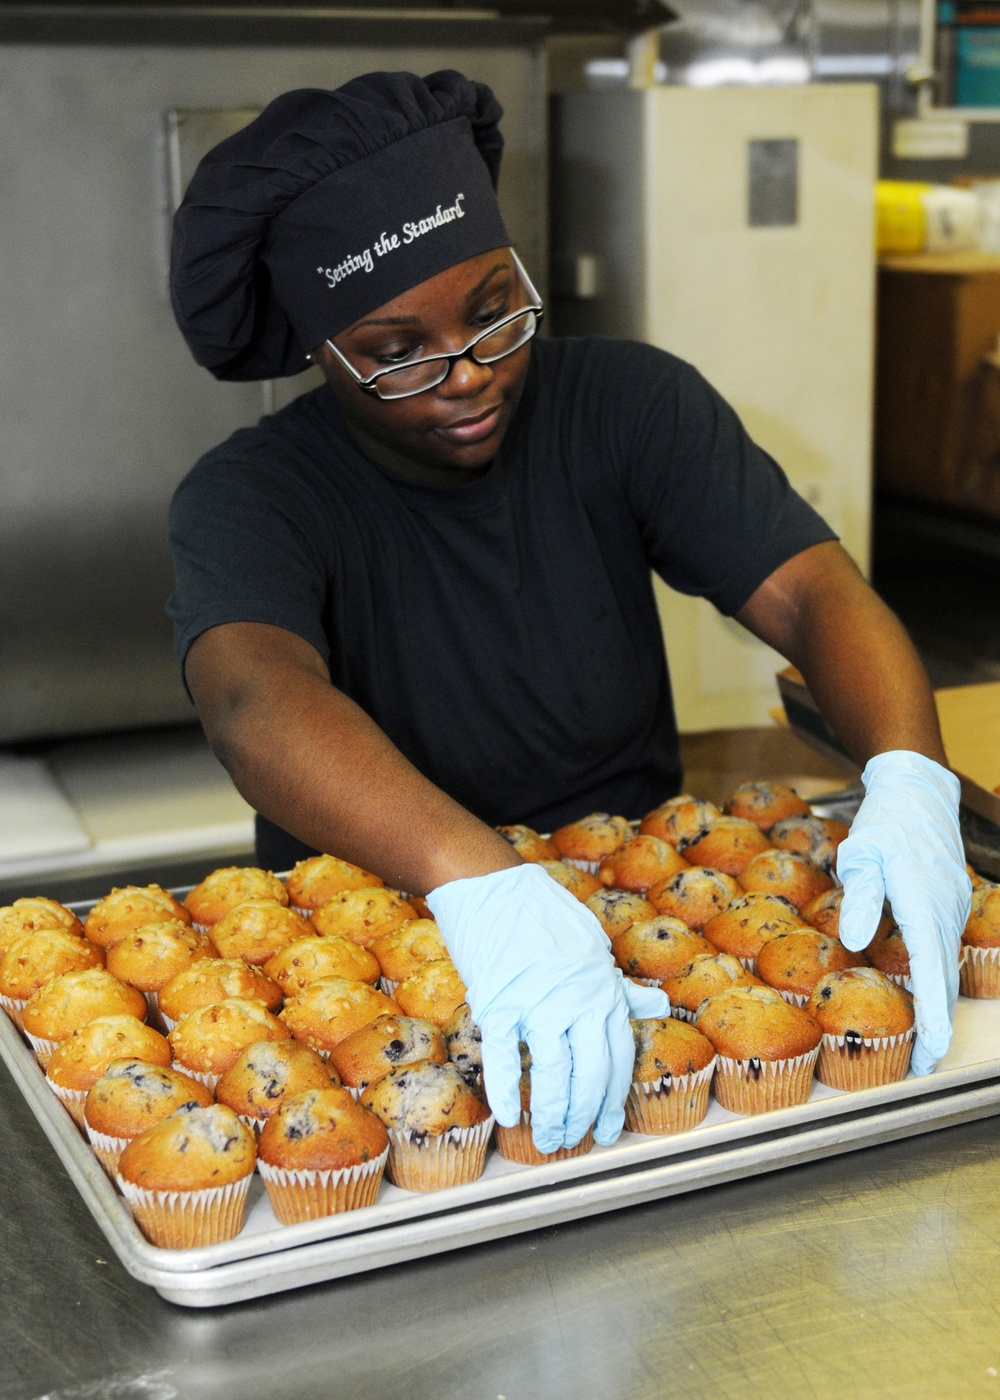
x: 455, y: 428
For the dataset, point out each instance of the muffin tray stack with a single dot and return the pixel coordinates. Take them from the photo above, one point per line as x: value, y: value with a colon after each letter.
x: 268, y: 1258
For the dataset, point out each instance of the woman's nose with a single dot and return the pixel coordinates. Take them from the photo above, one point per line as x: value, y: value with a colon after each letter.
x: 466, y: 379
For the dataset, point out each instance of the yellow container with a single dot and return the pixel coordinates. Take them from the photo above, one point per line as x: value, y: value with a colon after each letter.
x: 900, y: 216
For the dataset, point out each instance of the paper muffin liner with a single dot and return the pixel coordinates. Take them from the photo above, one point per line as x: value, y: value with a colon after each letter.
x: 203, y: 1076
x: 388, y: 986
x: 793, y: 998
x: 304, y: 909
x: 168, y: 1023
x: 901, y: 979
x: 201, y: 928
x: 671, y: 1104
x: 254, y: 1124
x: 420, y: 1162
x: 188, y: 1219
x: 13, y: 1007
x: 644, y: 981
x: 979, y: 972
x: 747, y: 964
x: 757, y: 1086
x: 72, y: 1100
x: 854, y: 1062
x: 307, y: 1195
x: 154, y: 1017
x: 517, y: 1145
x: 681, y: 1013
x: 107, y: 1149
x: 591, y: 866
x: 44, y: 1049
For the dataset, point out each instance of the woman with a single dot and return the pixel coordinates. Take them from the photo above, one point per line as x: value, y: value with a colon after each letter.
x: 417, y: 602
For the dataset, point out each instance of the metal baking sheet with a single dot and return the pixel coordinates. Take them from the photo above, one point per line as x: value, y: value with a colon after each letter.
x: 269, y: 1258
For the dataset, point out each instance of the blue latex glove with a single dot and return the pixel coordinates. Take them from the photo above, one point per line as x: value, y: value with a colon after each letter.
x: 538, y: 968
x: 905, y: 846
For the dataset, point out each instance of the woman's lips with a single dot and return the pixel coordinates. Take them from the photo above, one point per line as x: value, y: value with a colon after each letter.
x: 470, y: 430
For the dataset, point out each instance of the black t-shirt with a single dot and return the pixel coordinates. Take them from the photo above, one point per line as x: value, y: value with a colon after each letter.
x: 503, y: 632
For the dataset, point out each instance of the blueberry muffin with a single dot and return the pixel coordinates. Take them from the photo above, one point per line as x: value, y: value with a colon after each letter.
x: 979, y: 969
x: 265, y: 1071
x: 616, y: 910
x: 131, y: 1096
x: 517, y: 1144
x: 320, y: 1154
x: 586, y: 842
x: 438, y: 1123
x: 767, y: 1049
x: 367, y: 1055
x: 784, y: 873
x: 652, y: 949
x: 464, y: 1042
x: 792, y: 963
x: 765, y: 803
x: 682, y: 821
x: 748, y: 923
x: 704, y: 975
x: 640, y: 863
x: 674, y: 1064
x: 695, y: 895
x: 528, y: 844
x: 727, y: 845
x: 867, y: 1023
x: 580, y: 883
x: 816, y: 838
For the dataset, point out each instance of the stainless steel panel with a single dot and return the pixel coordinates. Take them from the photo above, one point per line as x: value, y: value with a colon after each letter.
x: 102, y: 410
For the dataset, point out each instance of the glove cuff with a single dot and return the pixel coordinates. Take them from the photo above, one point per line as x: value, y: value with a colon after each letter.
x: 895, y: 765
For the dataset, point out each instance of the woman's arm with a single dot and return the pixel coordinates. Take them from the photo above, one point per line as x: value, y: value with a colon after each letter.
x: 309, y: 758
x: 860, y: 666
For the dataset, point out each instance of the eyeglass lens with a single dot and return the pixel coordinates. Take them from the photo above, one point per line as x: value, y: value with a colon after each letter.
x: 425, y: 374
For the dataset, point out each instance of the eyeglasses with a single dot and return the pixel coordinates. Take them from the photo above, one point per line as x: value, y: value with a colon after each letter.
x: 494, y: 343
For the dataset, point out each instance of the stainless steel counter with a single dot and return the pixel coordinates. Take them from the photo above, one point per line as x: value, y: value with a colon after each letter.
x: 876, y: 1274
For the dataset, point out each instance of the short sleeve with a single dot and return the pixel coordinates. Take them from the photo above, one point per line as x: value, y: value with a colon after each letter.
x: 717, y: 513
x: 243, y: 549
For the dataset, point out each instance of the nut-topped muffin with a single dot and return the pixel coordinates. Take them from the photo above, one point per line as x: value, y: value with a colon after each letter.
x: 327, y: 1011
x: 784, y: 873
x: 264, y: 1072
x: 727, y: 845
x: 674, y: 1064
x: 516, y: 1144
x: 704, y: 975
x: 652, y: 949
x: 406, y: 948
x: 368, y: 1054
x: 70, y: 1000
x: 318, y: 878
x: 149, y: 956
x: 587, y: 841
x: 215, y: 979
x: 616, y: 910
x: 767, y: 1049
x: 528, y: 844
x: 580, y: 883
x: 793, y: 962
x: 131, y: 1096
x: 256, y: 929
x: 223, y: 889
x: 640, y: 863
x: 765, y: 803
x: 205, y: 1042
x: 868, y: 1025
x: 186, y: 1179
x: 318, y: 955
x: 695, y: 895
x: 79, y: 1061
x: 363, y: 915
x: 439, y: 1125
x: 31, y: 913
x: 319, y: 1154
x: 748, y: 923
x: 434, y: 991
x: 35, y: 958
x: 119, y: 912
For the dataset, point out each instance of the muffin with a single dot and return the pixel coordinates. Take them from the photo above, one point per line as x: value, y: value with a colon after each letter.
x: 149, y: 956
x: 868, y: 1026
x: 586, y: 842
x: 464, y: 1041
x: 319, y: 1154
x: 326, y: 1012
x: 516, y: 1144
x: 318, y: 955
x: 682, y: 821
x: 580, y: 883
x: 976, y: 880
x: 704, y: 975
x: 186, y: 1179
x: 784, y: 873
x: 887, y: 952
x: 264, y: 1072
x: 823, y: 912
x: 616, y: 910
x: 205, y: 1042
x: 130, y: 1096
x: 223, y: 889
x: 792, y: 963
x: 748, y: 923
x: 257, y: 929
x: 640, y: 863
x: 764, y: 803
x: 119, y: 912
x: 695, y: 895
x: 363, y: 915
x: 816, y: 838
x: 79, y: 1061
x: 31, y: 913
x: 652, y: 949
x: 979, y: 969
x: 727, y: 845
x: 35, y: 958
x: 369, y: 1054
x: 215, y: 979
x: 674, y: 1064
x: 318, y: 878
x: 528, y: 844
x: 70, y: 1000
x: 435, y: 991
x: 405, y: 949
x: 767, y: 1049
x: 438, y: 1123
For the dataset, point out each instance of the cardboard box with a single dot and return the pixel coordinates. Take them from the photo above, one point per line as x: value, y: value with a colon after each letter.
x: 970, y: 726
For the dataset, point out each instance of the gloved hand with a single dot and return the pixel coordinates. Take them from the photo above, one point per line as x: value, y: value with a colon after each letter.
x: 905, y: 845
x: 538, y: 967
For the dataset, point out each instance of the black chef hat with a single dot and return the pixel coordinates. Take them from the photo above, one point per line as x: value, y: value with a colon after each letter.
x: 326, y: 206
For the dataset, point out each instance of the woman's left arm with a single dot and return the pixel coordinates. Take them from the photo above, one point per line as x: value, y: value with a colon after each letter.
x: 869, y: 683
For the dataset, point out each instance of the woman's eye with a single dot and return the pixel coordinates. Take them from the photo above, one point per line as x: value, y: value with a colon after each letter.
x: 486, y: 317
x: 395, y: 357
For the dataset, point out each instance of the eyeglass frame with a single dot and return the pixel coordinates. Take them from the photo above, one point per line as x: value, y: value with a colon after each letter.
x: 368, y: 386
